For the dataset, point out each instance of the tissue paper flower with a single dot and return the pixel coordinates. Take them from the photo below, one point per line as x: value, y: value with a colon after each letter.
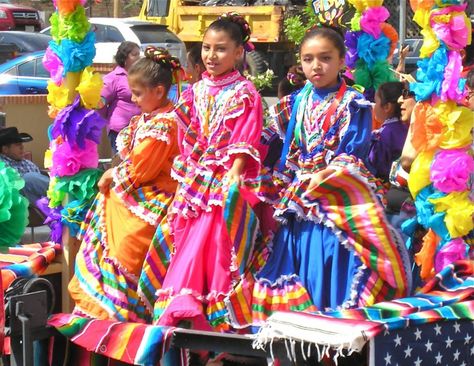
x: 452, y: 26
x: 453, y: 86
x: 450, y: 252
x: 451, y: 170
x: 426, y: 130
x: 89, y: 88
x: 76, y: 124
x: 75, y: 56
x: 54, y: 65
x: 371, y: 20
x: 419, y: 176
x: 457, y: 125
x: 69, y: 160
x: 459, y: 210
x: 73, y: 26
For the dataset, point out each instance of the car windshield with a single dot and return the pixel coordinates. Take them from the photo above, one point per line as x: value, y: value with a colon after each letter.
x: 149, y: 33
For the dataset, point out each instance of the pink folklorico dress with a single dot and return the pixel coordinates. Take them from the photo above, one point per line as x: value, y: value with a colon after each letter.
x: 213, y: 226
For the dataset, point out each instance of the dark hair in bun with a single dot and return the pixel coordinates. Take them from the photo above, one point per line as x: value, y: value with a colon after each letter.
x: 157, y: 67
x: 236, y: 27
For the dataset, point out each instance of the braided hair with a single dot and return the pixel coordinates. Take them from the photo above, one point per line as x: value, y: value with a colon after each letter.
x: 236, y: 27
x: 157, y: 67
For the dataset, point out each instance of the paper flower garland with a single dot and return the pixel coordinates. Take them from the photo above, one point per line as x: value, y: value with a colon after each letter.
x: 73, y: 94
x: 441, y: 177
x: 370, y: 42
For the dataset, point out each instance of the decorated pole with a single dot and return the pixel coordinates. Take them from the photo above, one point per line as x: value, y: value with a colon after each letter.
x: 441, y: 176
x: 370, y: 44
x: 73, y: 94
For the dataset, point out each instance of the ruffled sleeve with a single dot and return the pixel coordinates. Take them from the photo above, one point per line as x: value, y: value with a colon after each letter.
x: 245, y: 130
x: 355, y: 142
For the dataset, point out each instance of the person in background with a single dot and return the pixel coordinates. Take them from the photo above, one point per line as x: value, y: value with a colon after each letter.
x: 293, y: 81
x: 195, y: 67
x: 118, y: 107
x: 12, y: 153
x: 387, y: 141
x: 290, y: 85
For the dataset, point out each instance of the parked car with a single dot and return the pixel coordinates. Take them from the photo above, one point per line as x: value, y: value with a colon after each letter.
x: 24, y: 75
x: 18, y: 17
x: 26, y: 42
x: 110, y: 32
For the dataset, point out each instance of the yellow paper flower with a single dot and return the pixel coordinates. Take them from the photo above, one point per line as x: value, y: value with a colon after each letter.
x: 459, y: 211
x: 48, y: 159
x: 430, y: 42
x: 419, y: 176
x: 89, y: 88
x: 458, y: 123
x: 58, y: 96
x: 422, y: 18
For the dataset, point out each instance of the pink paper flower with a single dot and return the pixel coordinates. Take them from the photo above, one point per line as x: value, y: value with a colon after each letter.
x: 68, y: 160
x: 371, y: 20
x: 451, y: 170
x: 54, y: 65
x: 450, y: 24
x: 450, y: 87
x: 449, y: 253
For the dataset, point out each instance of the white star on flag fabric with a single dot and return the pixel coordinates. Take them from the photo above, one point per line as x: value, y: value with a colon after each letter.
x: 442, y: 343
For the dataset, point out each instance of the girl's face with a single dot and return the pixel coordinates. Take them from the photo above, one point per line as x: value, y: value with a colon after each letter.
x: 147, y: 98
x: 321, y: 62
x: 220, y: 53
x: 133, y: 56
x: 407, y: 104
x: 193, y: 71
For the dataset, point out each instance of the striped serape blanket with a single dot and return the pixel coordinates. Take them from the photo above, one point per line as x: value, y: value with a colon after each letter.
x: 448, y: 296
x: 26, y: 260
x: 134, y: 343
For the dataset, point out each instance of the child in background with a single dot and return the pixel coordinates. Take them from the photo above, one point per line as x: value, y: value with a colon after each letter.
x: 221, y: 120
x: 134, y: 197
x: 195, y: 67
x: 328, y: 252
x: 293, y: 81
x: 387, y: 142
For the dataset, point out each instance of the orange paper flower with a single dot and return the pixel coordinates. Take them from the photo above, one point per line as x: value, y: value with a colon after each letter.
x: 426, y: 130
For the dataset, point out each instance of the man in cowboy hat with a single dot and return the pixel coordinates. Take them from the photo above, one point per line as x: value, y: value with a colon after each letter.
x: 11, y: 153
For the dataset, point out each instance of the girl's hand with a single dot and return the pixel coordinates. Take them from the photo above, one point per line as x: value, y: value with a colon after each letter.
x: 232, y: 176
x: 105, y: 182
x: 318, y: 177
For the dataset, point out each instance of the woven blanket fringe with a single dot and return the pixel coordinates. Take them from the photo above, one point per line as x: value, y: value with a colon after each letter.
x: 267, y: 336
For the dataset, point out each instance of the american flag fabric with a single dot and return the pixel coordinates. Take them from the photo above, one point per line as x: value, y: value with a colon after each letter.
x: 442, y: 343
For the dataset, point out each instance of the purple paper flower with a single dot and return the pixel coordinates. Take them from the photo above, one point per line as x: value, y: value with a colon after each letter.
x: 76, y: 124
x: 351, y: 44
x: 450, y: 252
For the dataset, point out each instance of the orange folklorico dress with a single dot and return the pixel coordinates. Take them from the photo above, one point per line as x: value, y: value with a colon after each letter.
x: 120, y: 225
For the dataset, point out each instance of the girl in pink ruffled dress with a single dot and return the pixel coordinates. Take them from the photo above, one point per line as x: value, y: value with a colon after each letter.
x: 212, y: 223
